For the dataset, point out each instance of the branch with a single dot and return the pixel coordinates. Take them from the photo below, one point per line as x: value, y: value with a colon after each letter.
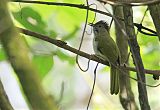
x: 64, y: 45
x: 155, y: 14
x: 126, y: 95
x: 80, y: 6
x: 130, y: 2
x: 135, y: 49
x: 140, y: 28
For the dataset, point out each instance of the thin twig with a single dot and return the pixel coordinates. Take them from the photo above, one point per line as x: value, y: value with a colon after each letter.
x: 80, y: 6
x: 94, y: 82
x: 140, y: 29
x: 142, y: 21
x: 80, y: 45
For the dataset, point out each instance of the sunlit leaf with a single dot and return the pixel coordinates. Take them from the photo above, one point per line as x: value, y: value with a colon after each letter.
x: 2, y: 55
x: 71, y: 18
x: 152, y: 60
x: 43, y: 63
x: 146, y: 40
x: 30, y: 19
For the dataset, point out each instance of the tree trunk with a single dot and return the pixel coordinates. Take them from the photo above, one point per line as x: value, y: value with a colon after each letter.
x: 17, y: 52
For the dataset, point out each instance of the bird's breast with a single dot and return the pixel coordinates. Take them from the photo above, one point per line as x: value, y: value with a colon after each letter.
x: 96, y: 50
x: 95, y: 45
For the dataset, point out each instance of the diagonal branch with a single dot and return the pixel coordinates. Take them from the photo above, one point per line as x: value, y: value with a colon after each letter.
x: 64, y: 45
x: 126, y: 95
x: 135, y: 49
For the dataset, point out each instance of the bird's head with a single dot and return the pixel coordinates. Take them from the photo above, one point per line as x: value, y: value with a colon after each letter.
x: 99, y: 26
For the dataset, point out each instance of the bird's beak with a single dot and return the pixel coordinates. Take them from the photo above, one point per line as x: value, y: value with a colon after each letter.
x: 91, y: 24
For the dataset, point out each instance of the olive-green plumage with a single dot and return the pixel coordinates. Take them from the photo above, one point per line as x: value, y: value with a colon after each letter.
x: 105, y: 47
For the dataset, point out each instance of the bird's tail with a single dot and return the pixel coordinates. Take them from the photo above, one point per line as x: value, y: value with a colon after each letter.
x: 114, y: 80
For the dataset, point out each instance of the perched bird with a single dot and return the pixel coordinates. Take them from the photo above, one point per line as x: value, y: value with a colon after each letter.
x: 105, y: 48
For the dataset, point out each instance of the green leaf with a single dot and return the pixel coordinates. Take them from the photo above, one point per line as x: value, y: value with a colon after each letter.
x: 68, y: 18
x: 30, y: 19
x: 43, y: 63
x: 2, y: 55
x: 151, y: 60
x: 64, y: 57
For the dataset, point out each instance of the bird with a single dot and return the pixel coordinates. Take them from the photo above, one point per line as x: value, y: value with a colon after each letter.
x: 106, y: 48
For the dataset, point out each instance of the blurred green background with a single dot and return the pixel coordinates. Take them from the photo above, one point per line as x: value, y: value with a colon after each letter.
x: 57, y: 67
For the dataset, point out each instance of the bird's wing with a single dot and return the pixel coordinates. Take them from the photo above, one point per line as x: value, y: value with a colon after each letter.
x: 108, y: 49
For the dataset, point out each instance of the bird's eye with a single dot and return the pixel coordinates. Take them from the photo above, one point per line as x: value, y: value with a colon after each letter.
x: 100, y: 26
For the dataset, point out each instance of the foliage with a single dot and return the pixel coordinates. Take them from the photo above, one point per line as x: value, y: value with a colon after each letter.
x: 49, y: 22
x: 65, y: 24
